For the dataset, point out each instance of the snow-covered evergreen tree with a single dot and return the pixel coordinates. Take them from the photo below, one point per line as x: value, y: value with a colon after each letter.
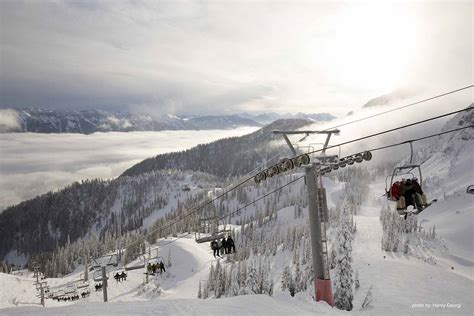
x: 285, y: 278
x: 343, y: 279
x: 168, y: 263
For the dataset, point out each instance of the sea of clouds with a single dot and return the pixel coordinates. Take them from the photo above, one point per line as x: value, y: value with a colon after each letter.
x: 32, y: 164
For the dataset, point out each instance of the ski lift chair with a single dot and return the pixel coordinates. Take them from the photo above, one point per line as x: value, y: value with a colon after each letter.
x: 136, y: 266
x: 400, y: 171
x: 210, y: 223
x: 409, y: 169
x: 70, y: 290
x: 82, y: 284
x: 219, y: 235
x: 393, y: 178
x: 97, y: 276
x: 154, y: 261
x: 470, y: 189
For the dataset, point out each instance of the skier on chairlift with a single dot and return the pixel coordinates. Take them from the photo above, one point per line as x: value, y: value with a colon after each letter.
x: 401, y: 204
x: 162, y: 267
x: 420, y: 196
x: 215, y: 248
x: 394, y: 191
x: 224, y: 245
x: 230, y: 245
x: 123, y: 276
x: 409, y: 194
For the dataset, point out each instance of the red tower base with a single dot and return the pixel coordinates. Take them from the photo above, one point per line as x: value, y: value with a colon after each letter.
x: 324, y: 291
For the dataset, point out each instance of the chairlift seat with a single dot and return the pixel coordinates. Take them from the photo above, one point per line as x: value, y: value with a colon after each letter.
x: 470, y: 189
x: 135, y: 267
x: 219, y: 235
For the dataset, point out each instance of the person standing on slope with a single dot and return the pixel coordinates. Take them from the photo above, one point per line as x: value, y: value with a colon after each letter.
x: 230, y: 245
x: 215, y: 247
x: 162, y: 267
x: 224, y: 245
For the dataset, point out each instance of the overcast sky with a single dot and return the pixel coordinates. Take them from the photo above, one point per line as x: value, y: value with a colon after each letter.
x: 229, y: 56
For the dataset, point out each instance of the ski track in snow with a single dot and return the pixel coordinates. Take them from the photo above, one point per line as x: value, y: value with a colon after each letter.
x: 400, y: 280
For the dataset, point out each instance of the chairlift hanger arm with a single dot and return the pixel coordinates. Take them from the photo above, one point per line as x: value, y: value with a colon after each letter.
x: 334, y: 131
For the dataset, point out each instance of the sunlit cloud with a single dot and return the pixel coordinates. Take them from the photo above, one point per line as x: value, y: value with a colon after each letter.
x: 9, y: 120
x: 208, y: 57
x: 388, y: 121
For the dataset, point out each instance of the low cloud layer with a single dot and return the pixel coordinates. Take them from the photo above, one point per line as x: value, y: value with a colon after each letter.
x: 8, y: 120
x: 32, y: 164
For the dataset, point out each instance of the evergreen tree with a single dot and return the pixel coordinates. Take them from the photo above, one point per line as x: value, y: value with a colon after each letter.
x: 169, y: 259
x: 199, y: 291
x: 285, y: 278
x: 252, y: 280
x: 291, y: 286
x: 343, y: 295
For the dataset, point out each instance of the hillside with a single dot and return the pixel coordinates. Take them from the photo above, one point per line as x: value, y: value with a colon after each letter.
x: 227, y: 157
x: 399, y: 281
x: 114, y: 207
x: 428, y: 262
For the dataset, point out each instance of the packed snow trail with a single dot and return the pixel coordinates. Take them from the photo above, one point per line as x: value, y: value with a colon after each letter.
x: 239, y: 305
x: 191, y: 264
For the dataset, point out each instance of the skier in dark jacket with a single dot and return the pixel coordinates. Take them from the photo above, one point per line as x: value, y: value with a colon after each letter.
x: 224, y: 245
x: 230, y: 245
x: 162, y: 267
x: 215, y: 247
x: 416, y: 186
x: 409, y: 193
x: 420, y: 198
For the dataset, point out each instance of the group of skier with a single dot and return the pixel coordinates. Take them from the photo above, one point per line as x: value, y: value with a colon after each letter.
x: 227, y: 246
x: 408, y: 192
x: 98, y: 287
x: 119, y: 277
x: 67, y: 298
x: 153, y: 268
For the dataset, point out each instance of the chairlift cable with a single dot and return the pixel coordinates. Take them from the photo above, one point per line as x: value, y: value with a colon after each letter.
x: 206, y: 203
x: 422, y: 138
x: 401, y: 107
x: 243, y: 207
x: 393, y: 130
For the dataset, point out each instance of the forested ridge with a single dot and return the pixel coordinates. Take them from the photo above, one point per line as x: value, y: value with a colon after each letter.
x: 226, y: 157
x: 118, y: 206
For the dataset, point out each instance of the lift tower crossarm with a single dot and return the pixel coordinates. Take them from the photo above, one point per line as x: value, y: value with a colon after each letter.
x: 307, y: 132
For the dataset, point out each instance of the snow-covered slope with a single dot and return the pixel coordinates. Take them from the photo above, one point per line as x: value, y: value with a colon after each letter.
x: 434, y: 275
x: 398, y: 281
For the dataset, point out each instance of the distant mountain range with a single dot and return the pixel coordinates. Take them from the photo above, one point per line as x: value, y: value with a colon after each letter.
x: 36, y: 120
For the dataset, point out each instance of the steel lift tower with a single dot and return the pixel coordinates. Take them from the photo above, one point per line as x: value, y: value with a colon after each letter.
x: 318, y: 215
